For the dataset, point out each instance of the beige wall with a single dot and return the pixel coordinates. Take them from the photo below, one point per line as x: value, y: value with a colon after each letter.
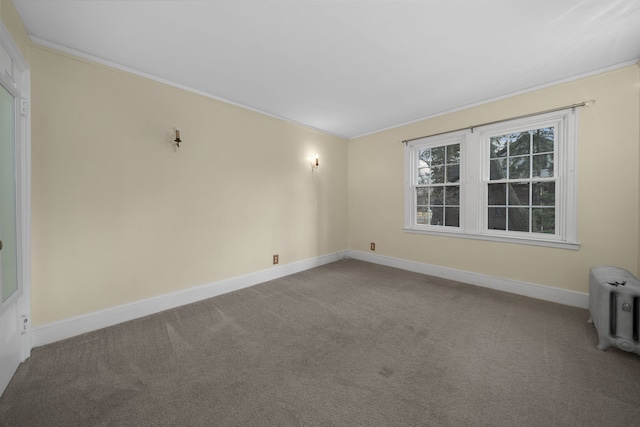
x: 119, y: 215
x: 609, y: 141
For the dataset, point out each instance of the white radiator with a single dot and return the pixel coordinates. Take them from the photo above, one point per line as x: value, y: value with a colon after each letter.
x: 614, y: 306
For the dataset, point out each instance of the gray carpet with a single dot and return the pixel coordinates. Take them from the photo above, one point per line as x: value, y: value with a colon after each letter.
x: 345, y: 344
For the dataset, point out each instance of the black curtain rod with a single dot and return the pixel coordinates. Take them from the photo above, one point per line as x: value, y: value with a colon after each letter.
x: 573, y: 106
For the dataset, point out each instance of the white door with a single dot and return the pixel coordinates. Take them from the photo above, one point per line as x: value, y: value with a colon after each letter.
x: 14, y: 209
x: 10, y: 289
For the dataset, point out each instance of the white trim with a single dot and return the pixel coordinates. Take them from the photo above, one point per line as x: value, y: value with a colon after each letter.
x: 25, y: 201
x: 506, y: 96
x: 50, y: 45
x: 77, y: 325
x: 542, y: 292
x: 495, y: 238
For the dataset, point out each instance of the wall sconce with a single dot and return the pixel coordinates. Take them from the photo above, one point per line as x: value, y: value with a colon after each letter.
x: 177, y: 140
x: 314, y: 161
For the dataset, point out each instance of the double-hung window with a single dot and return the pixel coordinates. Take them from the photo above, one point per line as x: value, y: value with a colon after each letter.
x: 510, y: 181
x: 437, y: 189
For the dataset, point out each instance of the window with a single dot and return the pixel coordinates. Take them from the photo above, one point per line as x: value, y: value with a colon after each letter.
x: 521, y: 186
x: 438, y: 186
x: 511, y: 181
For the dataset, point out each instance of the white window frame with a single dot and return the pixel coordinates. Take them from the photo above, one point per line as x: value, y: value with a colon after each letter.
x: 474, y: 179
x: 410, y: 192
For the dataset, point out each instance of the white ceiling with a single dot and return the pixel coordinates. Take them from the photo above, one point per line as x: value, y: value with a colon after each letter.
x: 346, y: 67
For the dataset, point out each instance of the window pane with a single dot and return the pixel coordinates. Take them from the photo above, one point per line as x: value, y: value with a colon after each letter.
x: 498, y: 169
x: 543, y: 194
x: 543, y: 220
x: 497, y: 219
x: 519, y: 219
x: 518, y: 193
x: 498, y: 146
x: 452, y: 217
x: 437, y: 196
x: 422, y: 196
x: 437, y: 216
x: 437, y: 175
x: 519, y: 167
x: 453, y: 153
x: 453, y: 173
x: 9, y: 281
x: 543, y: 140
x: 424, y: 176
x: 437, y: 155
x: 424, y: 155
x: 543, y: 165
x: 519, y: 143
x: 424, y: 170
x: 498, y: 194
x: 452, y: 195
x: 423, y: 215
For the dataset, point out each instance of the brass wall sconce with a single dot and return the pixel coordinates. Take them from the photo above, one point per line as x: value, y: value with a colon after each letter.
x: 314, y: 161
x: 177, y: 140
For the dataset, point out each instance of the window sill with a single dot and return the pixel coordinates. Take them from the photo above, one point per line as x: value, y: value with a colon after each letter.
x: 517, y: 240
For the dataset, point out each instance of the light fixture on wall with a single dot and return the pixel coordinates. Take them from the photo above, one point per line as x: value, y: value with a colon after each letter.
x: 177, y: 140
x: 314, y: 161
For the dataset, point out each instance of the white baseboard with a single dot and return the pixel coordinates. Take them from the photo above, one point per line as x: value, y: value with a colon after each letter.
x: 547, y: 293
x: 77, y: 325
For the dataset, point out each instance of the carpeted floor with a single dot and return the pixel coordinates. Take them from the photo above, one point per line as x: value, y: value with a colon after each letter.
x: 346, y: 344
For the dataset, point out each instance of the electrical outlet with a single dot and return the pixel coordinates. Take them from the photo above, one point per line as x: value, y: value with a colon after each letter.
x: 373, y: 246
x: 276, y: 259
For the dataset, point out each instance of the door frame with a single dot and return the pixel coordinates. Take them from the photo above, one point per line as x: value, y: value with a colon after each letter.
x: 18, y: 82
